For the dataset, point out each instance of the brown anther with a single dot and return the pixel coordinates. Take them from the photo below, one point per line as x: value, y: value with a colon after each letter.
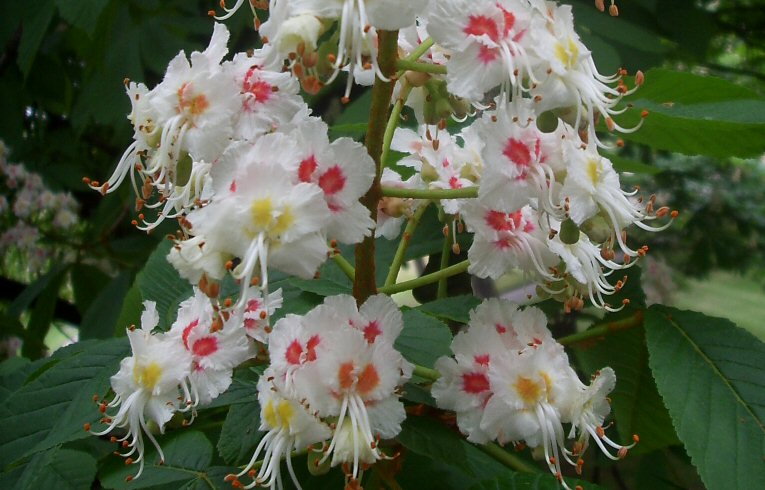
x: 134, y: 222
x: 627, y: 259
x: 345, y: 99
x: 129, y: 478
x: 95, y: 398
x: 675, y: 213
x: 292, y: 56
x: 210, y: 13
x: 622, y: 453
x: 102, y: 408
x: 366, y: 28
x: 86, y: 426
x: 610, y: 124
x: 331, y: 58
x: 112, y: 439
x: 317, y: 275
x: 311, y: 85
x: 600, y: 432
x: 227, y: 303
x: 644, y: 114
x: 333, y: 243
x: 635, y: 438
x: 301, y: 48
x: 620, y: 143
x: 128, y: 461
x: 456, y: 248
x: 297, y: 70
x: 493, y: 118
x: 252, y: 473
x: 626, y: 301
x: 213, y: 290
x: 600, y: 5
x: 436, y: 144
x: 310, y: 59
x: 229, y: 265
x: 125, y: 444
x: 229, y: 477
x: 367, y: 66
x: 141, y: 216
x: 86, y: 180
x: 255, y: 281
x: 445, y: 230
x: 663, y: 211
x: 552, y: 460
x: 578, y: 487
x: 613, y: 10
x: 263, y: 314
x: 537, y: 98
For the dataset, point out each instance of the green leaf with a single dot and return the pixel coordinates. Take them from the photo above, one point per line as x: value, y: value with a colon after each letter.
x: 100, y: 320
x: 536, y: 481
x: 160, y: 282
x: 637, y: 406
x: 130, y: 313
x: 456, y: 308
x: 188, y: 453
x: 424, y: 339
x: 431, y: 438
x: 711, y: 375
x: 82, y: 13
x: 622, y: 164
x: 240, y: 433
x: 694, y: 115
x: 331, y: 281
x: 58, y: 468
x: 87, y: 283
x: 56, y: 400
x: 32, y: 291
x: 42, y: 316
x: 34, y: 26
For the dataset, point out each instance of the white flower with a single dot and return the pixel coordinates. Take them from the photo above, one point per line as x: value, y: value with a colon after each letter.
x: 150, y: 386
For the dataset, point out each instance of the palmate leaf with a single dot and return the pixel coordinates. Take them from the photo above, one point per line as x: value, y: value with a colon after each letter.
x: 63, y: 469
x: 697, y: 115
x: 56, y: 400
x: 711, y: 375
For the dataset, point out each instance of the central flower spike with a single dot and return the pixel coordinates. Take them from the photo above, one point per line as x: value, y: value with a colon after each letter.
x: 336, y: 371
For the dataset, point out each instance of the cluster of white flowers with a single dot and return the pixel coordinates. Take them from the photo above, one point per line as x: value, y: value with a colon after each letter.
x: 231, y: 151
x: 174, y: 371
x: 30, y: 212
x: 334, y: 376
x: 510, y: 381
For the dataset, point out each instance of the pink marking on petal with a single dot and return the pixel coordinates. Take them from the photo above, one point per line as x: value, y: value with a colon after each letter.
x: 332, y: 181
x: 475, y: 383
x: 293, y: 352
x: 311, y: 345
x: 187, y: 332
x: 371, y: 331
x: 487, y: 55
x: 482, y: 360
x: 205, y: 346
x: 479, y: 25
x: 500, y: 328
x: 232, y: 187
x: 498, y: 221
x: 306, y: 169
x: 454, y: 183
x: 517, y: 152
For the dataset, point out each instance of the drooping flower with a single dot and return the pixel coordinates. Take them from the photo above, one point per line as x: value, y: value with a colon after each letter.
x: 149, y: 387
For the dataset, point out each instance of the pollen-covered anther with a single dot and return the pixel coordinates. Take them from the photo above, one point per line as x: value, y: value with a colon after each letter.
x: 456, y: 248
x: 600, y: 5
x: 613, y: 10
x: 622, y: 453
x: 445, y: 230
x: 644, y: 114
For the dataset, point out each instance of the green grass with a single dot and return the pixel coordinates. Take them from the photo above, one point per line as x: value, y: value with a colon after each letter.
x: 726, y: 295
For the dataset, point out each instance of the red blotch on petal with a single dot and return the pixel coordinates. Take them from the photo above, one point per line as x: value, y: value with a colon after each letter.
x: 517, y: 152
x: 345, y: 375
x: 294, y: 350
x: 369, y: 379
x: 475, y: 383
x: 332, y: 181
x: 205, y: 346
x: 371, y: 331
x: 187, y: 332
x: 306, y: 169
x: 478, y: 25
x: 482, y: 359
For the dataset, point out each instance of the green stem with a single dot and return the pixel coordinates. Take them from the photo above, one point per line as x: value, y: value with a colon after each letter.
x: 425, y: 372
x: 398, y: 259
x: 446, y: 250
x: 421, y: 67
x: 420, y: 50
x: 602, y: 329
x: 464, y: 193
x: 345, y: 266
x: 452, y: 270
x: 395, y: 114
x: 510, y: 460
x: 364, y: 284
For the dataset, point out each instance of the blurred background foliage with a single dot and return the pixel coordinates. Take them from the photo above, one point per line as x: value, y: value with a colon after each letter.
x: 63, y: 117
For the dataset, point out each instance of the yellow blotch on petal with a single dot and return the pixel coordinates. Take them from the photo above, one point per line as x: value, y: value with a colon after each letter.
x: 593, y: 170
x: 569, y: 54
x: 147, y: 376
x: 528, y: 389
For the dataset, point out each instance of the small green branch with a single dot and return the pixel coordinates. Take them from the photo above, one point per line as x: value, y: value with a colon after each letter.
x: 425, y: 372
x: 446, y: 251
x: 421, y: 67
x: 452, y: 270
x: 510, y: 460
x: 398, y: 259
x: 602, y: 329
x: 464, y: 193
x: 420, y: 50
x: 345, y: 266
x: 395, y: 115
